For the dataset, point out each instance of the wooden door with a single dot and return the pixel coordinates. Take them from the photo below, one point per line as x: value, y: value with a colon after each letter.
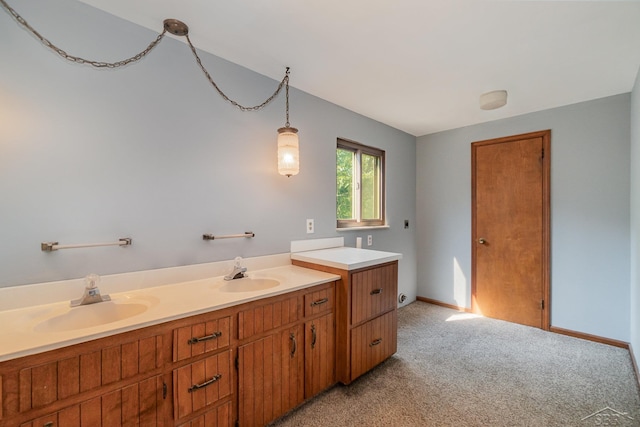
x: 270, y: 377
x: 510, y: 228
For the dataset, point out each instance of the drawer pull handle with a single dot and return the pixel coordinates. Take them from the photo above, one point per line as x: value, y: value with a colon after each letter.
x: 204, y: 384
x: 314, y: 336
x: 375, y: 342
x: 196, y: 340
x: 320, y: 302
x: 376, y: 291
x: 292, y: 337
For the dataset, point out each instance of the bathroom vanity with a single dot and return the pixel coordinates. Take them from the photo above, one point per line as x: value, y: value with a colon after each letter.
x: 202, y: 352
x: 366, y: 308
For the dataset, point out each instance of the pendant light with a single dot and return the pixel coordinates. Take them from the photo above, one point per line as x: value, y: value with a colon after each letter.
x: 288, y: 152
x: 288, y: 155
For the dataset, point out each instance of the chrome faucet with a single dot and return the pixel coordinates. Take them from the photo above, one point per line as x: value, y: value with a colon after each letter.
x: 238, y: 270
x: 91, y: 292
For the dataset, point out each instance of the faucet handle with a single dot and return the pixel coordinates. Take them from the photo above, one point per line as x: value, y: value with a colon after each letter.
x: 91, y: 281
x: 238, y: 261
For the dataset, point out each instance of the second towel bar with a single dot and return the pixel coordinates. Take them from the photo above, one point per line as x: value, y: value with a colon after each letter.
x: 228, y: 236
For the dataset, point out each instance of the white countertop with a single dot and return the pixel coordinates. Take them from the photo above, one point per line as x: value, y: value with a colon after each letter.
x: 346, y: 258
x: 24, y: 331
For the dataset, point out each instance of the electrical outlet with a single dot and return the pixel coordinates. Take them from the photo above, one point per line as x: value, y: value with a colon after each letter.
x: 369, y: 240
x: 310, y: 229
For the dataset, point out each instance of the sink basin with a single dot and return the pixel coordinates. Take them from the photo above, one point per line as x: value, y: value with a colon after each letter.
x: 248, y: 284
x: 87, y: 316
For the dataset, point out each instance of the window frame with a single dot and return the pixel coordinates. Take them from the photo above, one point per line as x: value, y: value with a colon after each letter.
x: 359, y: 149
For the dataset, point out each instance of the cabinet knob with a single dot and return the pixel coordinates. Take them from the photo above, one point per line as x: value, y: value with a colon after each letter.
x: 482, y: 241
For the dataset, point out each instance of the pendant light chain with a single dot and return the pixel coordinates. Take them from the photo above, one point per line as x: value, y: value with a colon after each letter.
x: 286, y: 77
x: 284, y: 81
x: 139, y: 56
x: 76, y: 59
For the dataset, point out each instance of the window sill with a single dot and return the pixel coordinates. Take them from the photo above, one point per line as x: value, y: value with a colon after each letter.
x: 368, y: 227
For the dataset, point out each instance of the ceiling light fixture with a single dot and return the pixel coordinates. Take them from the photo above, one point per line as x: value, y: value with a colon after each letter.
x: 288, y: 158
x: 493, y: 100
x: 288, y: 154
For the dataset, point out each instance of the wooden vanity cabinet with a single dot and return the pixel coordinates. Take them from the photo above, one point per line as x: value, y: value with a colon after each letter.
x: 286, y: 353
x: 203, y: 373
x: 248, y: 364
x: 270, y: 359
x: 116, y: 380
x: 366, y: 317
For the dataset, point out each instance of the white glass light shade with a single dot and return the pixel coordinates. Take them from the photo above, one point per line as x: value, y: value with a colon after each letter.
x: 493, y: 100
x: 288, y: 154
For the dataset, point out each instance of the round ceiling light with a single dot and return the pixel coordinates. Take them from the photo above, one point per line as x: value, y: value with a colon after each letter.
x: 493, y: 100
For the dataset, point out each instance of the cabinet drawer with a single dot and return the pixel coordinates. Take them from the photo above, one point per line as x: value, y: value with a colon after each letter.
x: 268, y: 317
x: 373, y: 292
x: 217, y: 417
x: 373, y: 342
x: 201, y: 384
x: 319, y: 301
x: 200, y: 338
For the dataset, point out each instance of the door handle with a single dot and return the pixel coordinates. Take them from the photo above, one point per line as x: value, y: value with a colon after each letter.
x: 482, y: 241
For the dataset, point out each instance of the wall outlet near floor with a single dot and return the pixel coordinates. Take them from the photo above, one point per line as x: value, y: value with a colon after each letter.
x: 369, y: 240
x: 310, y: 229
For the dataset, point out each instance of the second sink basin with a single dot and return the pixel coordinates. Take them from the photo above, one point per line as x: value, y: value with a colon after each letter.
x: 87, y: 316
x: 248, y: 284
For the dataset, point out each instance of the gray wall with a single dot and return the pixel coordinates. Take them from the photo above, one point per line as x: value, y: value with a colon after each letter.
x: 635, y: 219
x: 590, y: 184
x: 152, y: 152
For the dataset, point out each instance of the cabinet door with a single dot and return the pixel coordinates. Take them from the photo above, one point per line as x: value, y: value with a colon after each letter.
x: 271, y: 377
x: 320, y: 354
x: 373, y: 292
x: 373, y: 342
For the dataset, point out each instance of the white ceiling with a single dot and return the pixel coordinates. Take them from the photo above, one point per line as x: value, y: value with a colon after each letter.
x: 418, y: 65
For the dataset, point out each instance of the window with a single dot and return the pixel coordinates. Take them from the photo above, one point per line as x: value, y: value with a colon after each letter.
x: 359, y: 185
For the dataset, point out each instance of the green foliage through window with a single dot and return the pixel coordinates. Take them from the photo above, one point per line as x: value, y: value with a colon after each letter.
x: 359, y: 185
x: 345, y: 165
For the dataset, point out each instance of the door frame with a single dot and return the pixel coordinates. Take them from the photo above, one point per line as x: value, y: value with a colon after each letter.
x: 546, y: 217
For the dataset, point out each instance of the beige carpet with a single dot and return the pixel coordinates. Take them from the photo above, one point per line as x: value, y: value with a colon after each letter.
x: 455, y: 369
